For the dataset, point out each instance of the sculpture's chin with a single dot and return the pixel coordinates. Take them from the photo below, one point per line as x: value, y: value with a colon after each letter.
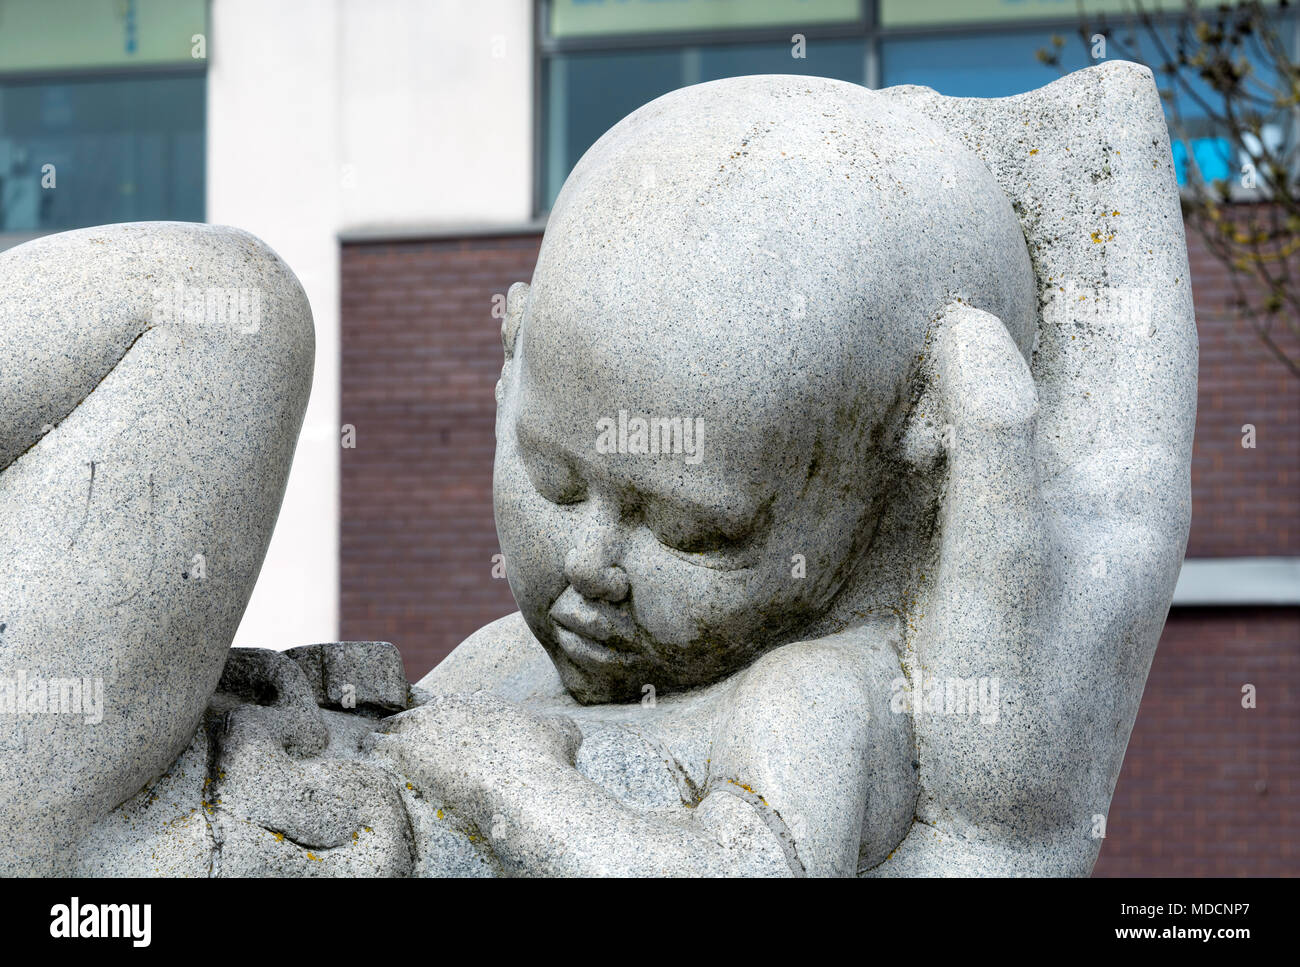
x: 592, y: 688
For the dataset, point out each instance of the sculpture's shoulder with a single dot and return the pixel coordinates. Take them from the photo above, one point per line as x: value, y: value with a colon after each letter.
x: 845, y: 676
x: 503, y: 658
x: 809, y: 727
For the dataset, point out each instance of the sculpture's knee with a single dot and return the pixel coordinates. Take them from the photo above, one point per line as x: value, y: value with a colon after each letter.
x: 147, y: 426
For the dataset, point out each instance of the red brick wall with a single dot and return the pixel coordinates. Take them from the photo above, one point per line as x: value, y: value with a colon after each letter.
x: 1244, y: 500
x: 1210, y: 788
x: 421, y: 353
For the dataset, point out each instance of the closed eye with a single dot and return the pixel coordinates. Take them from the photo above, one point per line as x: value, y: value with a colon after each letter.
x: 554, y: 480
x: 705, y: 547
x: 716, y: 560
x: 558, y: 485
x: 552, y: 475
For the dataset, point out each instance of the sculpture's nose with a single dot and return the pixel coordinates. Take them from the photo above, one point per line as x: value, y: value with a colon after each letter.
x: 592, y: 566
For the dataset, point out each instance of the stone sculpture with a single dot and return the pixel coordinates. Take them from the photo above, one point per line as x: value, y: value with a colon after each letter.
x: 842, y: 480
x: 154, y: 381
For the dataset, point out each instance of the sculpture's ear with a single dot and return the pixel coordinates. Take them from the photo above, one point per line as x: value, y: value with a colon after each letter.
x: 516, y: 302
x: 926, y: 432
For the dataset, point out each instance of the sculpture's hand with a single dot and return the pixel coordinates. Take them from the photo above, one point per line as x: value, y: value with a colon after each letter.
x: 511, y: 773
x: 460, y: 745
x: 984, y: 619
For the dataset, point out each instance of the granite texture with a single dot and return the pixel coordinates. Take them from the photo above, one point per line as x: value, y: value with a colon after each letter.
x: 282, y: 781
x: 154, y: 379
x: 842, y: 480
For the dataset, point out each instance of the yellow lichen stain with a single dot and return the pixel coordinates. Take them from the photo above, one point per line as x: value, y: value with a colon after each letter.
x: 1033, y: 151
x: 440, y: 814
x: 279, y: 837
x: 313, y: 856
x: 748, y: 789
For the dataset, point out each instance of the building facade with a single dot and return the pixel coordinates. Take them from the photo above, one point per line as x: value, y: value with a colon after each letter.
x: 401, y: 156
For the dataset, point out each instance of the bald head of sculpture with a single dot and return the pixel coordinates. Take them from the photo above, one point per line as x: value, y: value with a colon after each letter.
x: 707, y: 381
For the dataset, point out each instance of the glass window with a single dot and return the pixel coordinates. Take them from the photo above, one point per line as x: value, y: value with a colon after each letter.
x: 590, y: 82
x: 948, y: 13
x: 844, y: 60
x: 112, y: 149
x: 1196, y: 111
x: 61, y: 35
x: 589, y: 18
x: 587, y: 93
x: 977, y: 65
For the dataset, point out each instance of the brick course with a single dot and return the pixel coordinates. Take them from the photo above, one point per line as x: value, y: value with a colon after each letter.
x: 421, y: 355
x: 1210, y: 788
x: 1243, y: 500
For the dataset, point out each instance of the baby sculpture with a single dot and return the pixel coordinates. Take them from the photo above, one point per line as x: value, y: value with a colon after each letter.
x: 843, y: 299
x: 842, y: 482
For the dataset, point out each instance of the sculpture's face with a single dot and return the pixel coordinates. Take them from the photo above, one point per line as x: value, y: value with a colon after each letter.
x: 759, y: 260
x: 670, y: 569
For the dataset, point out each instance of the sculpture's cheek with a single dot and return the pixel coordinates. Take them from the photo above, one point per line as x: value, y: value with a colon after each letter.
x: 530, y: 531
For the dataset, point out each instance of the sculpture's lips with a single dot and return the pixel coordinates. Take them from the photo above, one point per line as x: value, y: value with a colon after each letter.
x: 587, y: 651
x: 587, y: 634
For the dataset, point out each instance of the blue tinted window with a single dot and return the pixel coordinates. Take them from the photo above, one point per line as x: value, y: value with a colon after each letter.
x: 1213, y: 157
x: 1191, y: 126
x: 997, y: 65
x: 844, y: 60
x: 587, y: 93
x: 976, y: 65
x: 122, y: 149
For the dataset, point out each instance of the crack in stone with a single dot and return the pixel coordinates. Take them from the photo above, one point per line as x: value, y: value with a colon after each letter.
x: 772, y: 820
x: 77, y: 405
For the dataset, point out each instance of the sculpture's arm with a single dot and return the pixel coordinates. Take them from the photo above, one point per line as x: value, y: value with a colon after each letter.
x: 985, y: 783
x: 787, y: 790
x: 1056, y: 590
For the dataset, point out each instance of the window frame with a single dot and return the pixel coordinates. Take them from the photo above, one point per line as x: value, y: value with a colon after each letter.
x: 9, y: 239
x: 867, y: 27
